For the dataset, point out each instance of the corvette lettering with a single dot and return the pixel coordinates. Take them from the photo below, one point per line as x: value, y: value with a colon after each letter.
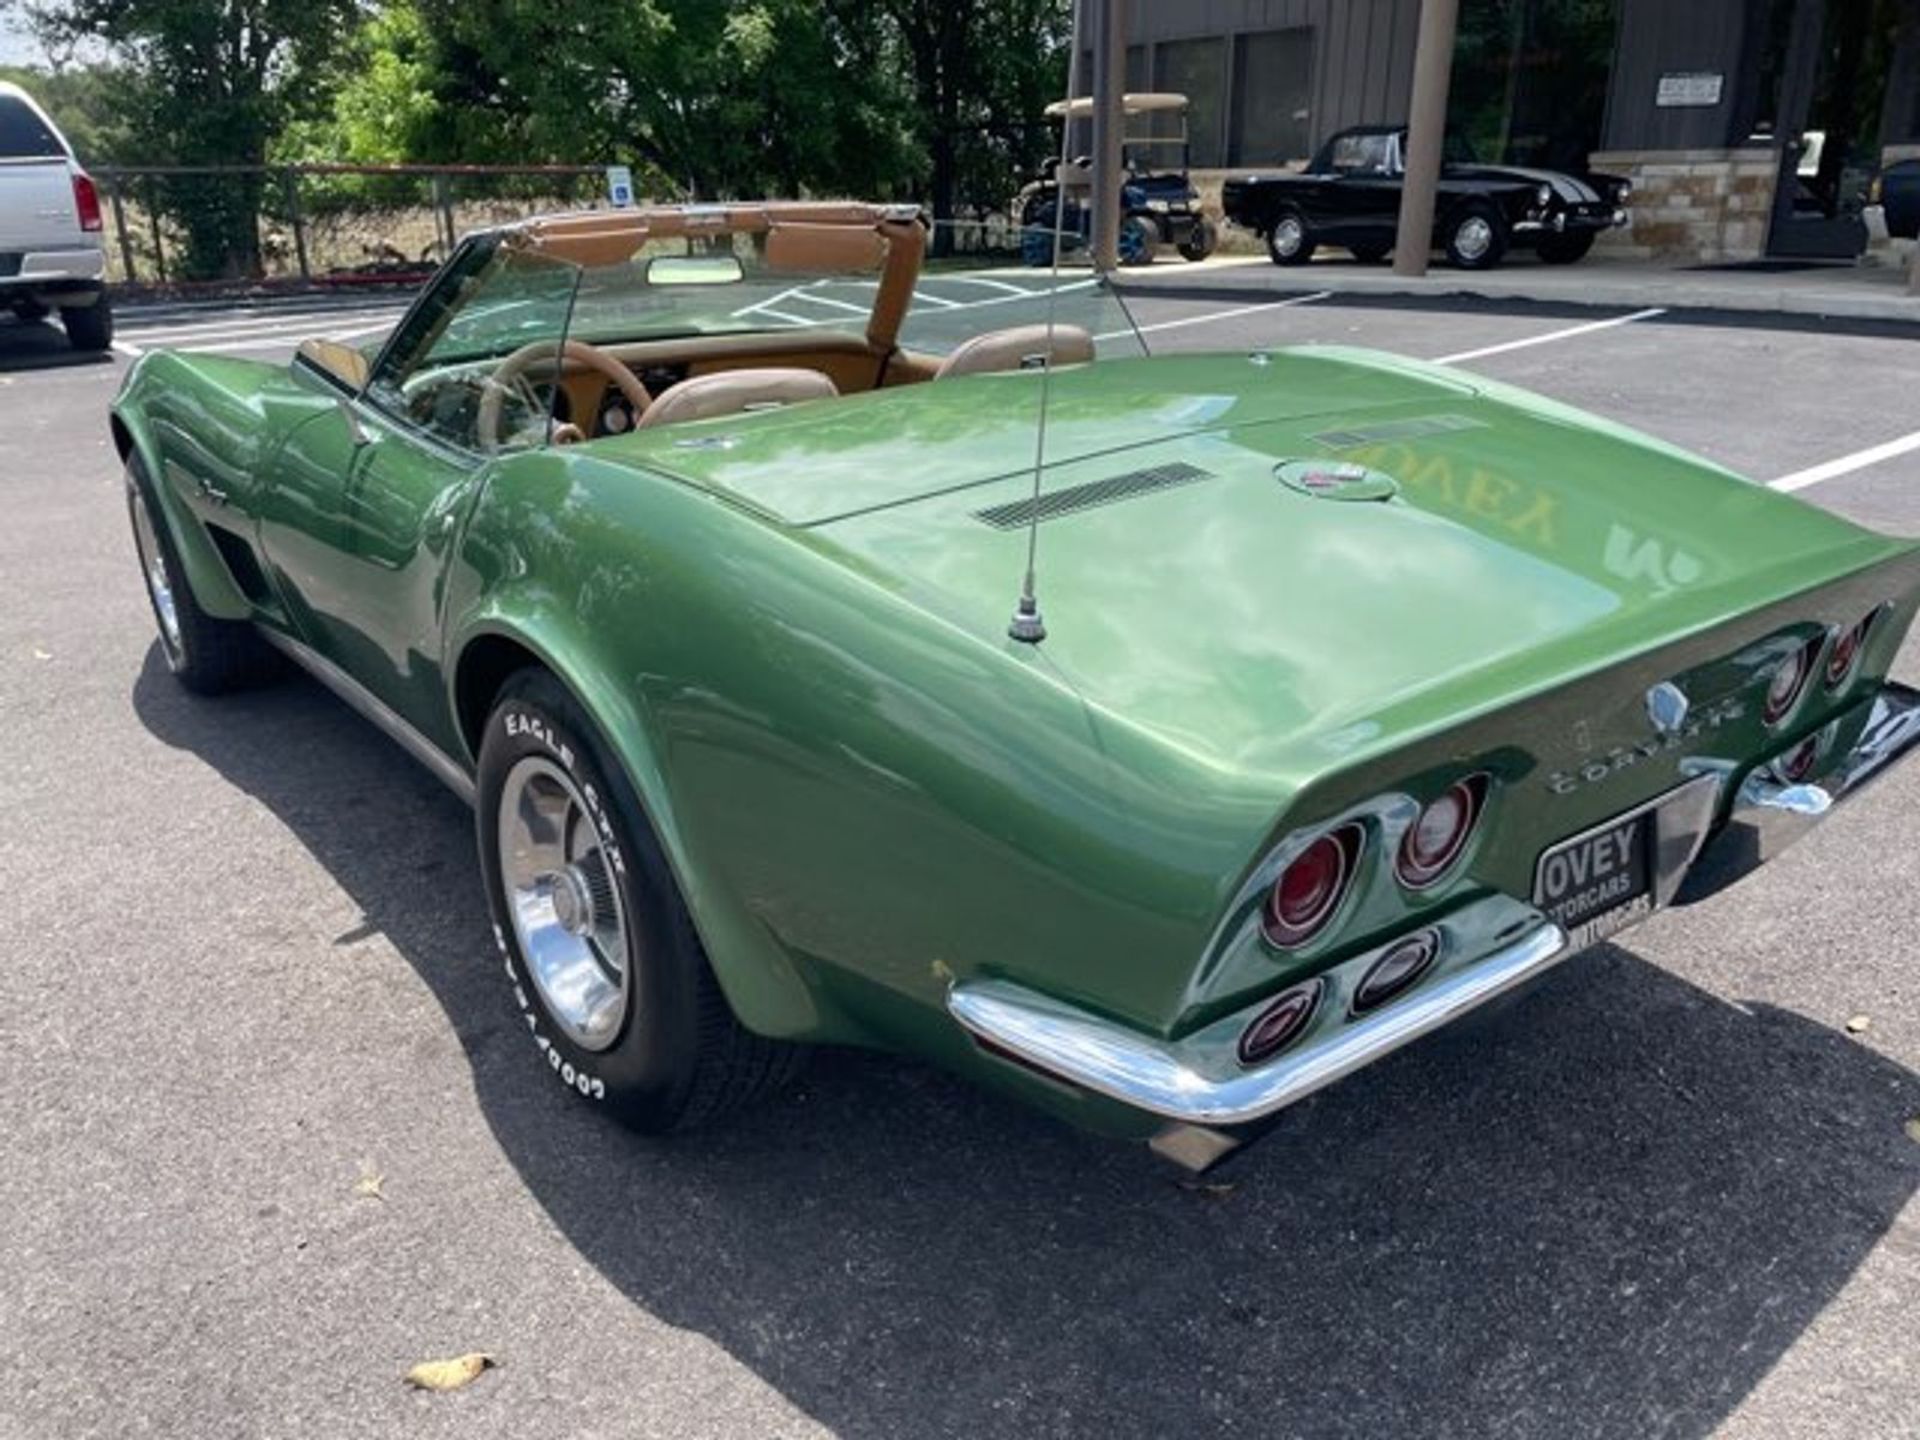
x: 1625, y: 757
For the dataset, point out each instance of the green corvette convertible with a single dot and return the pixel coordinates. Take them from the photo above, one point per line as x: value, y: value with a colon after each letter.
x: 1358, y: 691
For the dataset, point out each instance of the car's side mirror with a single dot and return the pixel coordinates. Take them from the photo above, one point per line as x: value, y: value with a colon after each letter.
x: 341, y: 362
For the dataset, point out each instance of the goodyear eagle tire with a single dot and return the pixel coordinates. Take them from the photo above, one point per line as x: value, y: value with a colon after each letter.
x: 206, y: 654
x: 597, y: 947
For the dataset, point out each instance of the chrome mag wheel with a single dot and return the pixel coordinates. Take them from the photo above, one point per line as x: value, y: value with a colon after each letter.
x: 567, y: 912
x: 1288, y: 236
x: 153, y: 566
x: 1474, y: 238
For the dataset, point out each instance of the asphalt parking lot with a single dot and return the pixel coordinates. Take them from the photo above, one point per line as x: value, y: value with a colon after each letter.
x: 269, y: 1141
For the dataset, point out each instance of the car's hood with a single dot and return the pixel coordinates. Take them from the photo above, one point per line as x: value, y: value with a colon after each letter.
x: 1232, y: 614
x: 1567, y: 187
x: 821, y: 462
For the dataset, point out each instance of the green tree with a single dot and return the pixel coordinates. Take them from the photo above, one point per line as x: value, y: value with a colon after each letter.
x: 209, y: 82
x: 715, y: 99
x: 982, y: 72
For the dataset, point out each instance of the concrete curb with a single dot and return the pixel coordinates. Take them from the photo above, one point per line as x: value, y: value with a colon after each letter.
x: 1864, y: 295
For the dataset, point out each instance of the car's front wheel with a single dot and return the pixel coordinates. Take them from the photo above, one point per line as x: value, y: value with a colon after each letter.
x: 1289, y: 242
x: 206, y: 654
x: 1566, y: 249
x: 1477, y: 239
x: 597, y: 946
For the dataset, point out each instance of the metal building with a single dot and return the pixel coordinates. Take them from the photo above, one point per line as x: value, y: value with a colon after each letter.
x: 1750, y: 127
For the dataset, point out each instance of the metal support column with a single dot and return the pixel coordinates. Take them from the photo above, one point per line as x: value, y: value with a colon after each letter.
x: 290, y: 179
x: 114, y: 186
x: 1109, y: 79
x: 1426, y: 134
x: 153, y: 224
x: 443, y: 208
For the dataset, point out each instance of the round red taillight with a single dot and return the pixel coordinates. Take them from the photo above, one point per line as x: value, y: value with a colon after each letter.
x: 1309, y: 890
x: 1844, y: 658
x: 1280, y: 1024
x: 1797, y: 763
x: 1439, y: 833
x: 1404, y: 962
x: 1789, y: 680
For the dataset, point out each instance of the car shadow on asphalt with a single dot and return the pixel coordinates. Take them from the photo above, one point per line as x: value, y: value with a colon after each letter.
x: 41, y: 345
x: 1606, y: 1208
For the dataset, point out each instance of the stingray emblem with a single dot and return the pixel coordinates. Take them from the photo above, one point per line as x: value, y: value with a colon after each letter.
x: 1335, y: 480
x: 1667, y: 707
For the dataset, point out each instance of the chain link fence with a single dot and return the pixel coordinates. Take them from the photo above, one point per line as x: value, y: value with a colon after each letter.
x: 174, y: 225
x: 339, y: 225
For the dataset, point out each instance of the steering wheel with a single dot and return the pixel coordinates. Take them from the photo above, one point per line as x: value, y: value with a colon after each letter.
x: 510, y: 377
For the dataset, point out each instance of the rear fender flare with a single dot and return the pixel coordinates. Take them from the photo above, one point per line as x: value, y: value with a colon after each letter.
x: 766, y: 989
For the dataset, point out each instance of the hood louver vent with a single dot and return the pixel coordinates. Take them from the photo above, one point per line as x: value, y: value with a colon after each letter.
x: 1075, y: 498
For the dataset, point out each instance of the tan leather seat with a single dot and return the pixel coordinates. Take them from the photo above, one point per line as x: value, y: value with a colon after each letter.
x: 728, y: 392
x: 1018, y: 348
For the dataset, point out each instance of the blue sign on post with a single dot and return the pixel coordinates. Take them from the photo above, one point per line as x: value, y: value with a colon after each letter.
x: 620, y: 186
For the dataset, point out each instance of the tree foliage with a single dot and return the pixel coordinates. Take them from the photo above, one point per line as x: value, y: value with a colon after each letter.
x: 207, y: 82
x: 931, y: 100
x: 85, y: 102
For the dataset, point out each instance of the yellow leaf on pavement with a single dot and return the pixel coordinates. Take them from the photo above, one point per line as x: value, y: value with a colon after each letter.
x: 449, y: 1374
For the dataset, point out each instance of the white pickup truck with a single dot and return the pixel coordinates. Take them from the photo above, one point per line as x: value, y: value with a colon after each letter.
x: 51, y: 251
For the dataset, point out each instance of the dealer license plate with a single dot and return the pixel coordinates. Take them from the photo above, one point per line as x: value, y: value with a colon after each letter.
x: 1598, y: 883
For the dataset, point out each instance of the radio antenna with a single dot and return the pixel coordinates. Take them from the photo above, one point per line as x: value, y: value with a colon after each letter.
x: 1027, y: 625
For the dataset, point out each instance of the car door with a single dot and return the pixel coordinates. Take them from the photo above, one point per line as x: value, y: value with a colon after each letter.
x: 366, y: 498
x: 1361, y: 189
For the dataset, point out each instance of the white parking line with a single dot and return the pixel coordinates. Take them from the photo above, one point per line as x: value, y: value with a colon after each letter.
x: 1549, y: 338
x: 1847, y: 464
x: 303, y: 320
x: 813, y: 297
x: 784, y: 316
x: 986, y: 280
x: 1208, y: 319
x: 283, y: 341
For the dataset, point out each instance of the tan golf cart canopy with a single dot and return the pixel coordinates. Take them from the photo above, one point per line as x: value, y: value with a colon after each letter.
x: 1145, y: 103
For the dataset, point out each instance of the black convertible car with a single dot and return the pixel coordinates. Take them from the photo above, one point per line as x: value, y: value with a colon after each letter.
x: 1350, y: 197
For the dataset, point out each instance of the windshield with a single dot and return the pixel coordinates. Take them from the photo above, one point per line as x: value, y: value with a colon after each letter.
x: 530, y: 336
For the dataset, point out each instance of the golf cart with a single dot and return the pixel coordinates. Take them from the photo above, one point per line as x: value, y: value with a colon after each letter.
x: 1157, y: 207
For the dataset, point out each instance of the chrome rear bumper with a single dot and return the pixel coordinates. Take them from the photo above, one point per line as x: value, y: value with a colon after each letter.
x: 1769, y: 813
x: 1199, y: 1080
x: 1490, y: 946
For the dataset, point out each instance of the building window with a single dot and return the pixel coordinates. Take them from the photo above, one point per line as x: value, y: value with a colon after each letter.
x: 1198, y: 70
x: 1272, y: 98
x: 1530, y: 79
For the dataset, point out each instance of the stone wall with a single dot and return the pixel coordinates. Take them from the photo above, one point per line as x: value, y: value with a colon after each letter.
x: 1698, y: 205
